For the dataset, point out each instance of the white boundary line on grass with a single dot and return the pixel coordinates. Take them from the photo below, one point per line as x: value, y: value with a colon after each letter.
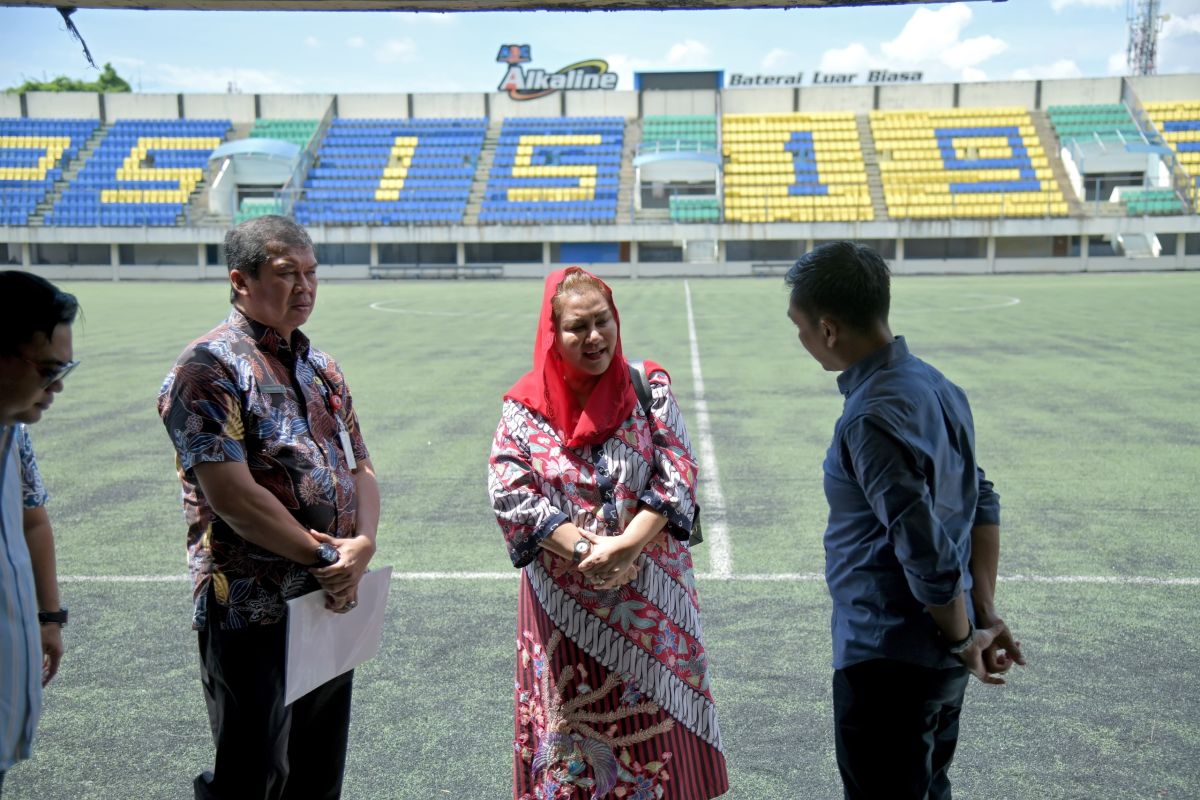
x: 768, y: 577
x: 716, y: 531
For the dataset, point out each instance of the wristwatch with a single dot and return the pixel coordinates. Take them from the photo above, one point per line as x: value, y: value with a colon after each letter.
x: 581, y: 550
x: 53, y: 617
x: 960, y: 647
x: 327, y: 555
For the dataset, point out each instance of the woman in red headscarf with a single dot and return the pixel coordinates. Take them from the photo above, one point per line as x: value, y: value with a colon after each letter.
x: 597, y: 500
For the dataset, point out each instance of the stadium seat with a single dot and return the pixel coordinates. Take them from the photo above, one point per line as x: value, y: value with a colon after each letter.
x: 1178, y: 122
x: 964, y: 162
x: 1097, y: 122
x: 392, y: 172
x: 33, y: 155
x: 794, y: 168
x: 296, y: 131
x: 557, y: 170
x: 143, y: 173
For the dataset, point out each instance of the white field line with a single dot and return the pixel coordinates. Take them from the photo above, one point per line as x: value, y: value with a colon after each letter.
x: 768, y: 577
x: 716, y: 531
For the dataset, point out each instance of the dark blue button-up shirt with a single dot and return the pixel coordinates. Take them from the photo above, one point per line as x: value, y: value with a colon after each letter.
x: 904, y: 491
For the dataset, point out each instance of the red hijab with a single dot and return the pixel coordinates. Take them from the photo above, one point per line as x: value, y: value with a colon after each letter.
x: 544, y: 390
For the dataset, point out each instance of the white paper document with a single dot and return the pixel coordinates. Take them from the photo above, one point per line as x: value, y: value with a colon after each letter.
x: 322, y: 645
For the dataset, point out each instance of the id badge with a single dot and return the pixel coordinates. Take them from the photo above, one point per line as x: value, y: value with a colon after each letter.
x: 347, y: 450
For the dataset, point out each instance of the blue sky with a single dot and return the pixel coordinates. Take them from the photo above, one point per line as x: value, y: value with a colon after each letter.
x: 175, y: 51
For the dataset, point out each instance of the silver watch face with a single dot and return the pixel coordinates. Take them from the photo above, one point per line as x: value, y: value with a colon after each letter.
x: 582, y: 548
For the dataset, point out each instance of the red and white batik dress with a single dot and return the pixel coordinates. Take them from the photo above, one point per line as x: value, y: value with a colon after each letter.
x: 612, y: 686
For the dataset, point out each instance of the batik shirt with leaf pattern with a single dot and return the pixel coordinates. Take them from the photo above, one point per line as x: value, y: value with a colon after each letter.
x: 243, y: 393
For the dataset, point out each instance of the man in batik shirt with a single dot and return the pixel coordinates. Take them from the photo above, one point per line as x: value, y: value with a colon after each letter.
x: 280, y: 499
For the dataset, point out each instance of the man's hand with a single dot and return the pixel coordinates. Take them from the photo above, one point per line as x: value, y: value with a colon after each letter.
x: 353, y: 556
x: 1004, y: 651
x: 52, y: 651
x: 992, y: 652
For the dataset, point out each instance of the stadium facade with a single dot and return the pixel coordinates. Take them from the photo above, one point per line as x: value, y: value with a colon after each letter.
x: 685, y: 175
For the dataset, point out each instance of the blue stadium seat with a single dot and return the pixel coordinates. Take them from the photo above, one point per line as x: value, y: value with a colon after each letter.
x: 33, y: 154
x: 557, y: 170
x: 142, y: 174
x: 392, y: 172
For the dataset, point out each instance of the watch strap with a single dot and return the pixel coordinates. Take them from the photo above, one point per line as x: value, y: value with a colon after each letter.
x: 53, y: 617
x: 961, y: 646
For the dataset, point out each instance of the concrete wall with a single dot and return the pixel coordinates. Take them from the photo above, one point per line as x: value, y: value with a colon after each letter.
x: 441, y: 106
x: 140, y: 106
x: 293, y: 106
x: 1081, y: 91
x: 237, y: 108
x: 10, y: 105
x: 917, y: 95
x: 64, y: 105
x: 503, y: 106
x: 602, y: 104
x: 372, y: 106
x: 837, y: 98
x: 757, y: 101
x: 701, y: 101
x: 1156, y: 88
x: 999, y: 94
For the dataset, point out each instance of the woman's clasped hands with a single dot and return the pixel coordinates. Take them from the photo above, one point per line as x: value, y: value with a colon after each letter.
x: 612, y: 562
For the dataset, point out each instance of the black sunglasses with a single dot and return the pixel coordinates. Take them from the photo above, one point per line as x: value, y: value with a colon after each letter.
x: 51, y: 375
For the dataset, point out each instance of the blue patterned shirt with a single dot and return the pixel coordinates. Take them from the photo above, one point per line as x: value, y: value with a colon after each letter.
x: 904, y: 491
x: 33, y: 491
x: 20, y: 634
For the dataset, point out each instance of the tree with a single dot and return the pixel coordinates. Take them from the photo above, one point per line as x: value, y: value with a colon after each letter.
x: 108, y: 81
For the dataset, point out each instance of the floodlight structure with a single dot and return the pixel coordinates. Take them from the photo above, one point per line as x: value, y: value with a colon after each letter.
x: 1144, y: 25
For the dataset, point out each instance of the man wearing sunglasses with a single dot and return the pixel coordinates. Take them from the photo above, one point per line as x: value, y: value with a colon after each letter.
x: 35, y: 356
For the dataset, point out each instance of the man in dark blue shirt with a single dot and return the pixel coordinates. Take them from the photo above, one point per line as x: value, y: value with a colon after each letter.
x: 913, y: 539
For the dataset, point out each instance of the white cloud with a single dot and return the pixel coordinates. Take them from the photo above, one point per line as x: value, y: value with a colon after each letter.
x: 356, y: 42
x: 689, y: 53
x: 1059, y: 5
x: 204, y: 79
x: 780, y: 60
x: 1063, y: 68
x: 1181, y: 26
x: 931, y: 42
x: 928, y: 32
x: 852, y: 58
x: 312, y: 41
x: 973, y: 51
x: 395, y: 51
x: 1179, y: 44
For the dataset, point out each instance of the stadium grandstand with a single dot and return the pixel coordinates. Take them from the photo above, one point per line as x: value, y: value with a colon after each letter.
x: 1033, y: 176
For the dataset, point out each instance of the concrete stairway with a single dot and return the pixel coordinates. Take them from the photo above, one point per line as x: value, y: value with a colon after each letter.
x: 871, y: 159
x: 483, y: 170
x: 1049, y: 141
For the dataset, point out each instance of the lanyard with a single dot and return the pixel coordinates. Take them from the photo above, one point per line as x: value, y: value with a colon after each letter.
x: 333, y: 402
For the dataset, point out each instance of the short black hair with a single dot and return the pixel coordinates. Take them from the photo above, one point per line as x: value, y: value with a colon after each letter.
x: 29, y: 304
x: 845, y: 280
x: 256, y: 241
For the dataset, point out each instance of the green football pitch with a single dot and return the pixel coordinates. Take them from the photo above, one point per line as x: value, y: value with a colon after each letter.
x: 1086, y: 418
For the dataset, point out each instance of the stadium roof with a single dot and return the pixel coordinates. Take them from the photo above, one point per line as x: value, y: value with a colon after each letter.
x: 455, y: 5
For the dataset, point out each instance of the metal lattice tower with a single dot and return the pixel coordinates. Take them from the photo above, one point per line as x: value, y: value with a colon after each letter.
x: 1144, y: 24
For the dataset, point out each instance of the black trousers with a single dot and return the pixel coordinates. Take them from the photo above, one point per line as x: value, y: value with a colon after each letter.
x: 895, y: 728
x: 266, y: 750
